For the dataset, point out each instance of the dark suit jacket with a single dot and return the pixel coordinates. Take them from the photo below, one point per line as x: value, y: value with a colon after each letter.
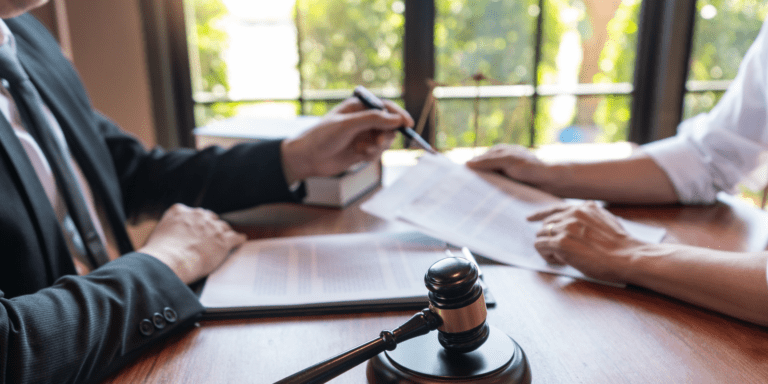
x: 56, y: 327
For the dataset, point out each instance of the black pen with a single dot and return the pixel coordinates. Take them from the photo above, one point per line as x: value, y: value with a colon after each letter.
x: 372, y: 102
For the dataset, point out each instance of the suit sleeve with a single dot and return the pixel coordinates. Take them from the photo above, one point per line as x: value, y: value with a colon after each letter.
x: 220, y: 180
x: 150, y: 181
x: 85, y: 327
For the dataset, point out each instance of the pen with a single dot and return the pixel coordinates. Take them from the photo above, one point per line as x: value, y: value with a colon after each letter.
x: 372, y: 102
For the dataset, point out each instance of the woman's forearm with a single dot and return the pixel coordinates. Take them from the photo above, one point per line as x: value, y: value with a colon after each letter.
x: 729, y: 282
x: 633, y: 180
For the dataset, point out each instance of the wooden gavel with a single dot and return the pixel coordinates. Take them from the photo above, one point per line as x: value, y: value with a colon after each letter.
x: 456, y: 309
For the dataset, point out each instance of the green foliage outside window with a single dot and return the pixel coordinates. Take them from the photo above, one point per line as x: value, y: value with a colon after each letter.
x: 348, y: 42
x: 210, y: 41
x: 617, y: 65
x: 490, y: 37
x: 723, y: 33
x: 496, y: 38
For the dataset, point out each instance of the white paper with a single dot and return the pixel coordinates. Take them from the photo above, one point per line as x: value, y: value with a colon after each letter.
x: 484, y: 212
x: 328, y: 269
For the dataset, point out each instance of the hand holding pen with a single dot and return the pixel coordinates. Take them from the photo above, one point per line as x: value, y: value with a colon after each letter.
x: 372, y: 102
x: 348, y: 134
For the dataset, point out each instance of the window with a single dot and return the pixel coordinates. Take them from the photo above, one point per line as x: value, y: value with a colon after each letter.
x: 723, y: 32
x: 534, y: 72
x: 521, y: 71
x: 528, y: 72
x: 277, y: 58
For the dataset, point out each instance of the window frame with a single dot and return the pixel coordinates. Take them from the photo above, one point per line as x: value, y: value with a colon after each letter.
x: 664, y: 43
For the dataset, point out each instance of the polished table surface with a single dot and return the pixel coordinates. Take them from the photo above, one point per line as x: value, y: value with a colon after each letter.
x: 572, y: 331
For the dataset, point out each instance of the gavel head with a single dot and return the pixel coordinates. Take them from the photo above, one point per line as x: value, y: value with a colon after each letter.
x: 456, y: 296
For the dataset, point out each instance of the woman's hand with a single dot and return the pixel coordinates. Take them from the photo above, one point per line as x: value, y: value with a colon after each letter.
x: 513, y: 161
x: 586, y: 237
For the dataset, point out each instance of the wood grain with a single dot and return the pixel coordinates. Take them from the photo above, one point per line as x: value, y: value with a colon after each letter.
x: 572, y: 331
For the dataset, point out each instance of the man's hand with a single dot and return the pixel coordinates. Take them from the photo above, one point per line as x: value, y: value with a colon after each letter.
x: 587, y: 237
x: 513, y: 161
x: 193, y: 242
x: 348, y: 134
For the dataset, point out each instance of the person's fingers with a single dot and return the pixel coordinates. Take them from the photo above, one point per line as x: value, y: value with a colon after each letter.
x: 547, y: 212
x: 373, y: 119
x: 594, y: 215
x: 396, y: 109
x: 493, y: 163
x: 385, y: 138
x: 372, y: 150
x: 353, y: 104
x: 344, y: 130
x: 372, y: 140
x: 357, y: 117
x: 350, y: 104
x: 235, y: 239
x: 206, y: 214
x: 501, y: 151
x: 549, y: 251
x: 572, y: 226
x: 610, y: 220
x: 353, y: 157
x: 568, y: 227
x: 381, y: 142
x: 178, y: 208
x: 548, y: 229
x: 582, y: 231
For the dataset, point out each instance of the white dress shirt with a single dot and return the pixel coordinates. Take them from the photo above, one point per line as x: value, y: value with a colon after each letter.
x: 44, y: 172
x: 715, y: 151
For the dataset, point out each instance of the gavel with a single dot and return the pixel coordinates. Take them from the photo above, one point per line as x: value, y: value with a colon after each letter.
x: 457, y: 310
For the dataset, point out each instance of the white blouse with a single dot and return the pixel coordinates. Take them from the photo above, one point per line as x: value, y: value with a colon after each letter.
x: 715, y: 151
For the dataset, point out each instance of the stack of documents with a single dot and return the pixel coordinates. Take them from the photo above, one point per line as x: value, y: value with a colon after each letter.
x: 324, y: 274
x: 484, y: 212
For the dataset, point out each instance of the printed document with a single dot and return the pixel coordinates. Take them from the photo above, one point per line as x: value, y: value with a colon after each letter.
x: 320, y: 272
x: 482, y: 211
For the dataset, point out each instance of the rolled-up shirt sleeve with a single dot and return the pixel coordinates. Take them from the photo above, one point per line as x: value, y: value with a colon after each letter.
x: 713, y: 152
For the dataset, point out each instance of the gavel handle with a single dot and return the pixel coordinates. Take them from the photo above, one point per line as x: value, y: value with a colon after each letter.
x: 419, y: 324
x: 327, y: 370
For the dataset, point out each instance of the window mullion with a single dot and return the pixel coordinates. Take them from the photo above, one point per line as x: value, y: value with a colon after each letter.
x: 536, y: 61
x: 419, y: 58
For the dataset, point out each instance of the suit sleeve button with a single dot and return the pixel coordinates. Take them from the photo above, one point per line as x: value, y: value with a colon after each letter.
x: 146, y: 327
x: 158, y: 320
x: 170, y: 315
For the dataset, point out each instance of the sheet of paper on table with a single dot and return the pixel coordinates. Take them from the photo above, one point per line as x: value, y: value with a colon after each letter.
x: 327, y: 273
x: 482, y: 211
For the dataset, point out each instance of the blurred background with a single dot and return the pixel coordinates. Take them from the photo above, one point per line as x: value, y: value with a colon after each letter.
x: 473, y: 73
x: 285, y: 58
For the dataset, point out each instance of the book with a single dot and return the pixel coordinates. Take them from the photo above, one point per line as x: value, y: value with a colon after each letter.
x: 342, y: 190
x: 342, y: 273
x: 238, y: 129
x: 333, y: 191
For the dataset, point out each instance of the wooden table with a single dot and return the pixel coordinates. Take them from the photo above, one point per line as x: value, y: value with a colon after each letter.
x: 572, y: 331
